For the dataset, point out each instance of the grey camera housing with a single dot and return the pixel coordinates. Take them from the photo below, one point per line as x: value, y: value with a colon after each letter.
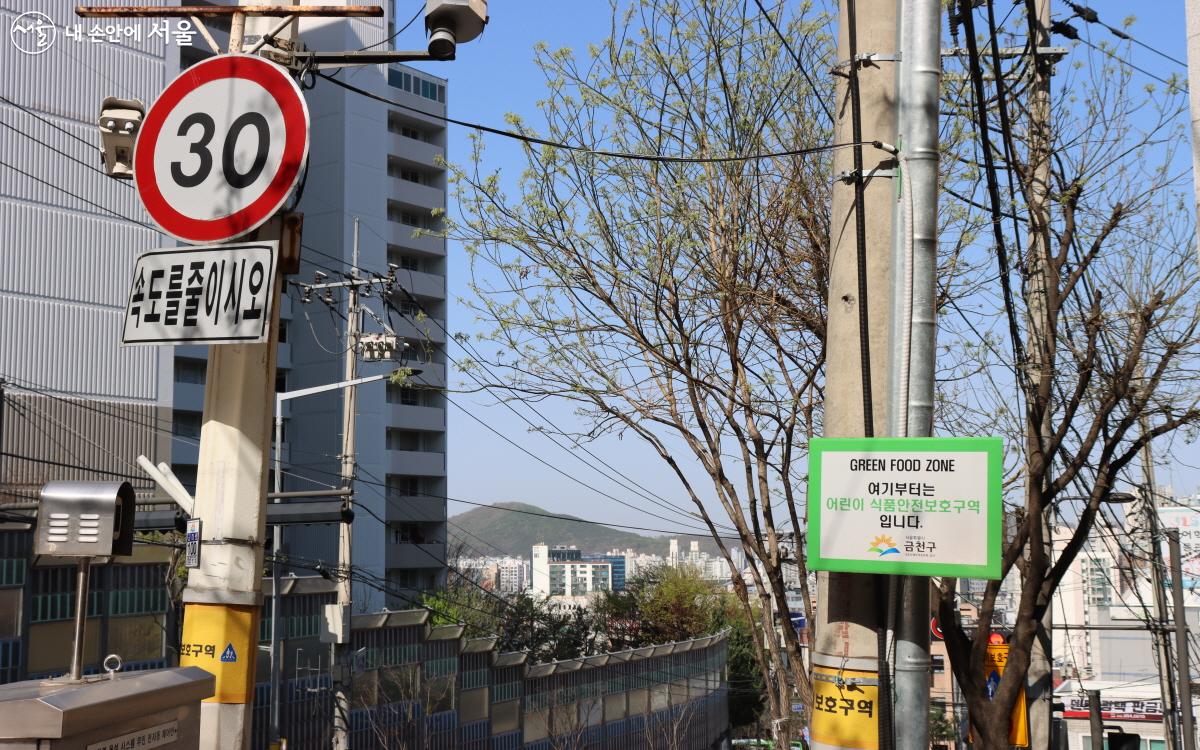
x: 120, y: 120
x: 453, y: 22
x: 85, y: 520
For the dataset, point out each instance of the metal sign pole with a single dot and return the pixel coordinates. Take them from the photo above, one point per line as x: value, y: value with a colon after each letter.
x: 81, y: 598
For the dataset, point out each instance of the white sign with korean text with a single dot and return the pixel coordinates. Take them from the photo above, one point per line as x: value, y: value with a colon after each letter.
x: 219, y: 294
x: 905, y: 506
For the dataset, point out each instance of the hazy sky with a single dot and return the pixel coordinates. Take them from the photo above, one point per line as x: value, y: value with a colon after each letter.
x: 495, y: 75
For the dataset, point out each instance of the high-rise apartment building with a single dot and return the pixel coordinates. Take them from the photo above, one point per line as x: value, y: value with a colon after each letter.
x: 379, y: 165
x: 82, y: 406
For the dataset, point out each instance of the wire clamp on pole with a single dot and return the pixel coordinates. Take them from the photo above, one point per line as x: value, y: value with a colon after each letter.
x: 864, y: 59
x: 848, y: 176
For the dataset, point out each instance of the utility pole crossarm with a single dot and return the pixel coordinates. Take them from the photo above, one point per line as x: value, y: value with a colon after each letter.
x: 331, y: 60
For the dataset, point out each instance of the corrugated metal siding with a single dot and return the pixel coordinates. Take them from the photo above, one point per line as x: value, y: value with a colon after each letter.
x: 71, y: 78
x: 63, y: 346
x: 65, y: 261
x: 84, y: 435
x: 70, y: 167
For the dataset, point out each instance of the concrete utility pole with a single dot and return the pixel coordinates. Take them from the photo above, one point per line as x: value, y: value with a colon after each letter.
x: 341, y: 655
x: 223, y: 595
x: 1162, y: 646
x: 848, y: 605
x: 1095, y: 719
x: 914, y: 325
x: 1192, y: 12
x: 1039, y: 684
x: 1183, y: 662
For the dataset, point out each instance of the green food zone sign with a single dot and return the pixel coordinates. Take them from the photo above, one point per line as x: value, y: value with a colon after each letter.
x: 905, y: 506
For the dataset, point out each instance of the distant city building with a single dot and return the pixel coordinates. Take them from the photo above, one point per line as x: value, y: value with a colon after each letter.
x: 1108, y: 585
x: 713, y: 567
x: 513, y: 575
x: 565, y: 573
x: 617, y: 566
x: 507, y: 575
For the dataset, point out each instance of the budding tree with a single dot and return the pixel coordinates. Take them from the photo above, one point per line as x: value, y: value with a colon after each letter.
x: 667, y: 276
x: 1069, y: 306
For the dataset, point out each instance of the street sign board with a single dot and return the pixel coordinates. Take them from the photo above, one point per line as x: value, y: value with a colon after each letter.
x: 905, y: 506
x: 213, y: 295
x: 221, y: 148
x: 191, y: 545
x: 993, y: 668
x: 845, y: 702
x: 1114, y: 709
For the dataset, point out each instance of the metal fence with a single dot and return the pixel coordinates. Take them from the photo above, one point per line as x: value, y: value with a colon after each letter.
x: 419, y: 687
x: 415, y: 686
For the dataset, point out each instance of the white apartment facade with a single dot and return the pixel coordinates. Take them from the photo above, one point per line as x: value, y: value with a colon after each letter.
x: 562, y: 573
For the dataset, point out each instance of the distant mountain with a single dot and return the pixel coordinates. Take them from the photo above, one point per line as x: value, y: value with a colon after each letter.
x: 503, y: 528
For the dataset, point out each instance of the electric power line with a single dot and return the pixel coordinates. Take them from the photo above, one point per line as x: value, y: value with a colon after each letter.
x: 1089, y: 15
x: 534, y: 140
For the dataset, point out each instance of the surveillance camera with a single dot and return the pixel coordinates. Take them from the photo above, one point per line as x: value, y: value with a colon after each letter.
x: 119, y: 123
x: 452, y: 22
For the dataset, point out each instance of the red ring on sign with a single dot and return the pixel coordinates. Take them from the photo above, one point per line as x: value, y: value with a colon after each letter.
x: 295, y: 148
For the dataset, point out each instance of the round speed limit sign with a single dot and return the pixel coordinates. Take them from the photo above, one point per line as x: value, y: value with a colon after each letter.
x: 222, y: 148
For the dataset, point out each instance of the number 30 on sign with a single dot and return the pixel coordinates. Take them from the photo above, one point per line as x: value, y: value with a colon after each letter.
x: 221, y: 148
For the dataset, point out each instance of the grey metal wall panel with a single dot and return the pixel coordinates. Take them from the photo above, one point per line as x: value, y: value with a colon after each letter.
x: 71, y: 77
x: 78, y: 435
x: 54, y: 253
x: 60, y: 151
x: 62, y: 346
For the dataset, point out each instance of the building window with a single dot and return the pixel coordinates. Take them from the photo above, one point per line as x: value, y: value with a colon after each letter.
x: 405, y: 579
x: 397, y: 394
x: 186, y: 423
x: 281, y: 381
x: 283, y: 331
x: 937, y: 663
x: 191, y: 371
x: 186, y: 474
x: 408, y: 533
x: 403, y: 485
x: 403, y: 440
x: 403, y: 260
x: 411, y: 175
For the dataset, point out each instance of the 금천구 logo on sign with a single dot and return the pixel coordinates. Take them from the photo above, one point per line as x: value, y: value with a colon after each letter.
x: 883, y: 545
